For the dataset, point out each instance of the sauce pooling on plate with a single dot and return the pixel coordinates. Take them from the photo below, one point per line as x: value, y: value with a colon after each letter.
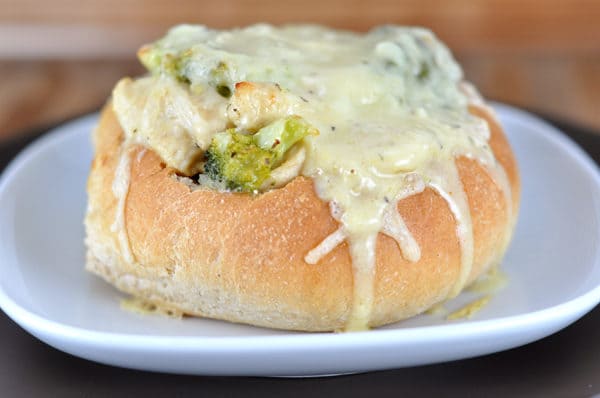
x: 389, y: 106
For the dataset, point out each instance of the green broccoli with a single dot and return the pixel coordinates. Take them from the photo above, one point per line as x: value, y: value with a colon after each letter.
x: 279, y: 136
x: 235, y: 160
x: 175, y: 64
x: 158, y: 61
x: 244, y: 162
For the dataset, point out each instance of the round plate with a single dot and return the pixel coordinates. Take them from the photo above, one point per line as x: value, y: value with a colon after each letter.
x: 553, y: 270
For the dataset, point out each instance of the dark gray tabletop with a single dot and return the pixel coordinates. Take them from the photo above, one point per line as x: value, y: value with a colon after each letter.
x: 566, y: 364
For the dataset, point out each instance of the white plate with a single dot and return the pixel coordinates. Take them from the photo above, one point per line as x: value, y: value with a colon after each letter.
x: 553, y: 269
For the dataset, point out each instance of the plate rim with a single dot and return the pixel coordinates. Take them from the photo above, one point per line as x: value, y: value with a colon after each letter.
x: 569, y: 310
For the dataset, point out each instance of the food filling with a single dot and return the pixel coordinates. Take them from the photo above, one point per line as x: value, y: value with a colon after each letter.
x: 372, y: 118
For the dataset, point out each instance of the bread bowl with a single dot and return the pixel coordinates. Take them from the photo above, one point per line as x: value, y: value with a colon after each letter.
x: 397, y: 189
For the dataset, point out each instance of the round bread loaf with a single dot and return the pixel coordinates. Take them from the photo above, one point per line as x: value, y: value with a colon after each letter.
x: 241, y: 257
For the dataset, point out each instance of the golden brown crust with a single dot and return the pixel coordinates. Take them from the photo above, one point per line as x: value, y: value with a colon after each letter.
x: 239, y: 257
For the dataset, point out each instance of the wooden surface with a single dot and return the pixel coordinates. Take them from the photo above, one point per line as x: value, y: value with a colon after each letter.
x: 37, y: 28
x: 38, y: 93
x: 61, y: 58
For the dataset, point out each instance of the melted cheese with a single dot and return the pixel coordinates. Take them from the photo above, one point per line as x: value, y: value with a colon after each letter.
x: 489, y: 283
x: 120, y: 188
x: 470, y: 309
x: 161, y: 114
x: 389, y: 105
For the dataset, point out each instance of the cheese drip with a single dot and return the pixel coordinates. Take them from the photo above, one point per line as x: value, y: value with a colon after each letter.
x: 120, y: 188
x: 390, y: 106
x: 366, y: 185
x: 362, y: 240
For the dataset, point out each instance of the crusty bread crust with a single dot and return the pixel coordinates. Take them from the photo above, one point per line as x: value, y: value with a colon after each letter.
x: 240, y: 257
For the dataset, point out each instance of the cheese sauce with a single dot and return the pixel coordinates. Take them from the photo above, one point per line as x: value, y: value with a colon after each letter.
x: 389, y: 105
x: 120, y: 188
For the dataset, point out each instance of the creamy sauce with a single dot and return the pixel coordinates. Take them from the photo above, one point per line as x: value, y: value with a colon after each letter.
x: 470, y: 309
x: 486, y: 285
x: 161, y: 114
x: 390, y: 106
x: 446, y: 181
x: 437, y: 309
x: 489, y: 283
x: 120, y: 188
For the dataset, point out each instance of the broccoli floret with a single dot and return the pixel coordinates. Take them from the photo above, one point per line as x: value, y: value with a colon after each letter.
x: 244, y: 162
x: 235, y: 160
x: 278, y: 137
x: 175, y: 64
x: 158, y: 61
x: 151, y: 58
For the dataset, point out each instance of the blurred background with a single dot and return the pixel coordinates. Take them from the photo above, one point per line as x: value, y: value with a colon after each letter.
x: 61, y: 58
